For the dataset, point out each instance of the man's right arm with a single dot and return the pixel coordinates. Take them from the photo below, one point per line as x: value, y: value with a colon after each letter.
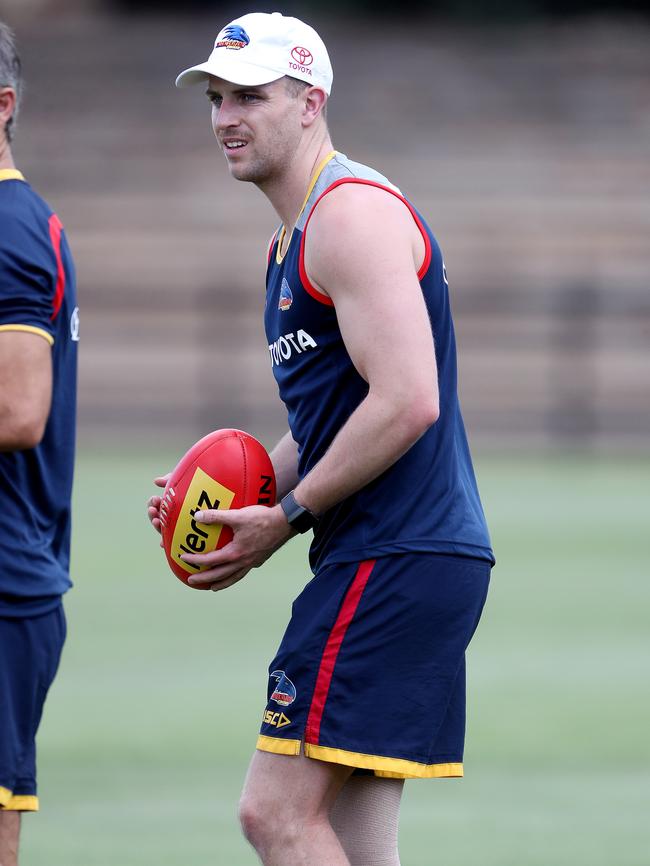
x: 29, y: 277
x: 25, y: 388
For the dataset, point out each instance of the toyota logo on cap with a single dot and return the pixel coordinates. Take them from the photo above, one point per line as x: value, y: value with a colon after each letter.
x: 302, y: 55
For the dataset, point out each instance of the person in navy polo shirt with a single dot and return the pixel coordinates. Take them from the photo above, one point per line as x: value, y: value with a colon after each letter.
x: 39, y: 331
x: 367, y: 688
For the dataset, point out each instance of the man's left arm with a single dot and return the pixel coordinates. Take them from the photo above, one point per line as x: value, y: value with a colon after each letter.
x: 364, y: 253
x: 363, y: 250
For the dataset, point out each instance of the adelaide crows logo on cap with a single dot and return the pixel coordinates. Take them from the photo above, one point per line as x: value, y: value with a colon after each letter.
x: 233, y: 36
x: 286, y: 296
x: 285, y: 691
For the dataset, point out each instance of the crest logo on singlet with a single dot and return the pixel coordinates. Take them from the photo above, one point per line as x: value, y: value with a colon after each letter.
x: 233, y: 37
x: 286, y: 296
x: 284, y: 693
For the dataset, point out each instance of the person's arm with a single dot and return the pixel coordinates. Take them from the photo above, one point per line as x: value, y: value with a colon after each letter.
x: 284, y: 458
x: 25, y: 388
x: 364, y: 253
x: 363, y: 250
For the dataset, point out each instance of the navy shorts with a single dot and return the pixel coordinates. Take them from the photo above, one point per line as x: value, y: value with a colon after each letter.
x: 30, y: 649
x: 371, y: 670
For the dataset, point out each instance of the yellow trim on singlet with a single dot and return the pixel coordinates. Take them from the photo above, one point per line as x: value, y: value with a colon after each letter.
x: 5, y: 796
x: 11, y: 174
x: 29, y: 329
x: 312, y: 183
x: 22, y: 803
x: 278, y: 746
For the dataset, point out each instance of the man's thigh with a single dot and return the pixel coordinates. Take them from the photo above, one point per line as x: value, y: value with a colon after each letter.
x: 293, y: 784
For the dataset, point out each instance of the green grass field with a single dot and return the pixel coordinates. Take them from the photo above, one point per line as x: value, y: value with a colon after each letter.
x: 148, y: 729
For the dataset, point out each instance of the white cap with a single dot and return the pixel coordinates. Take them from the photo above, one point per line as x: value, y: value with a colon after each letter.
x: 262, y: 47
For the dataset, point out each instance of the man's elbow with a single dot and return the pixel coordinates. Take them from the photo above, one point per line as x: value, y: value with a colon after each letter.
x: 422, y: 413
x: 429, y: 413
x: 32, y: 433
x: 23, y: 433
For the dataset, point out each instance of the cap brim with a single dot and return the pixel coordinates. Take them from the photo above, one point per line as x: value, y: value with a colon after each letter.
x: 237, y: 73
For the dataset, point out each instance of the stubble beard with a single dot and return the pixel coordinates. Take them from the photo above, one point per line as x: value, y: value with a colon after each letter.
x: 258, y: 171
x: 265, y: 169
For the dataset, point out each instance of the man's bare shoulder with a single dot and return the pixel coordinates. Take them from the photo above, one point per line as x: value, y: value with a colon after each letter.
x: 357, y: 225
x: 360, y: 206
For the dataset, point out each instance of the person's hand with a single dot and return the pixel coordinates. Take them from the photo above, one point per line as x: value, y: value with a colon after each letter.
x: 258, y: 531
x: 153, y: 503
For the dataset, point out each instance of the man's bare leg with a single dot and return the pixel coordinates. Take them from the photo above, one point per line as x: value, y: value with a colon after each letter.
x: 9, y: 834
x: 365, y: 817
x: 285, y: 807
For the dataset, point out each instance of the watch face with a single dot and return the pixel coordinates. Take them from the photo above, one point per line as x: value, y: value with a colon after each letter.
x: 298, y: 517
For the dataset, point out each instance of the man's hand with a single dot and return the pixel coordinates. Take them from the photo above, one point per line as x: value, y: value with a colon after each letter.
x: 153, y: 504
x: 258, y: 532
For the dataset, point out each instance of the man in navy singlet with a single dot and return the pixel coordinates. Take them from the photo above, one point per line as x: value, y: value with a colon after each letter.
x: 367, y: 688
x: 39, y: 330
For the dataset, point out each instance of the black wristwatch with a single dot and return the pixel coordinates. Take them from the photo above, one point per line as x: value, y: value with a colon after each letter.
x: 298, y: 517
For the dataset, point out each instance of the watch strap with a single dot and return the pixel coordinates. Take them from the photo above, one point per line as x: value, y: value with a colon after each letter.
x: 298, y: 517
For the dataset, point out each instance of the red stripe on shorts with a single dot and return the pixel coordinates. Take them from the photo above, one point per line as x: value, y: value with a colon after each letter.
x: 55, y: 236
x: 331, y: 651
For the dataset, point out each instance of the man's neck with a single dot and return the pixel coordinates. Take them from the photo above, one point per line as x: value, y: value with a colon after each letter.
x: 6, y: 159
x: 287, y: 193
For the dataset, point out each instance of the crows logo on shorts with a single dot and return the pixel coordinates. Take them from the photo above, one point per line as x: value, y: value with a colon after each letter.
x: 284, y: 692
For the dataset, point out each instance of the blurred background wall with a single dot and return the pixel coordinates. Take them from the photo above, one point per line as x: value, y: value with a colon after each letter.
x: 521, y: 131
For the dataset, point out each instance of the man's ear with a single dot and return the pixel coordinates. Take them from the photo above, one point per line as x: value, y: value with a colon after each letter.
x: 7, y: 105
x: 315, y: 100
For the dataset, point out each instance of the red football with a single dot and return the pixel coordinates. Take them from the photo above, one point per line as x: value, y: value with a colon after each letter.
x: 225, y: 469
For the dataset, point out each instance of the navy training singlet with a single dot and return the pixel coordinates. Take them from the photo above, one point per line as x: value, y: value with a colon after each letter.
x: 428, y: 500
x: 37, y: 295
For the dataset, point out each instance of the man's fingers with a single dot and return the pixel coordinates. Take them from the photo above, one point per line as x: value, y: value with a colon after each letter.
x: 218, y: 585
x: 221, y: 515
x: 222, y: 569
x: 215, y: 558
x: 162, y: 480
x: 153, y: 513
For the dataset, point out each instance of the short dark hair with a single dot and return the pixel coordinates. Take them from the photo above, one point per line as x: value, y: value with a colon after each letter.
x: 294, y: 86
x: 10, y: 71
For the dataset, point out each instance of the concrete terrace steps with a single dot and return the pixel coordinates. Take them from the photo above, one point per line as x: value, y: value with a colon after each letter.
x: 531, y: 165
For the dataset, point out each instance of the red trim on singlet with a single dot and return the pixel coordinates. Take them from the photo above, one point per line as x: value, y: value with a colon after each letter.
x: 55, y: 236
x: 312, y: 290
x: 331, y: 651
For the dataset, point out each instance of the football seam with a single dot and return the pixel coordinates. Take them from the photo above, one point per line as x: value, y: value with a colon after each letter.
x: 245, y: 463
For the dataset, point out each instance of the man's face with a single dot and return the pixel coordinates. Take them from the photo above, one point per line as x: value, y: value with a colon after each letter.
x: 258, y: 128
